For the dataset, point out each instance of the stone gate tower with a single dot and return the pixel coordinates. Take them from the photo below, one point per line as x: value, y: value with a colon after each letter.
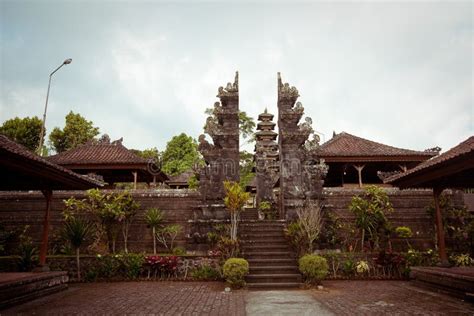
x: 221, y: 157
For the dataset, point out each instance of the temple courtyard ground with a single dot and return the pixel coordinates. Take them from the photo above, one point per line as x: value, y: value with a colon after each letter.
x: 209, y: 298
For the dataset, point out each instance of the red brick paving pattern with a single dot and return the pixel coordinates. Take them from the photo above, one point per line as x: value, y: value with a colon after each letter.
x: 208, y: 298
x: 387, y: 298
x: 138, y: 298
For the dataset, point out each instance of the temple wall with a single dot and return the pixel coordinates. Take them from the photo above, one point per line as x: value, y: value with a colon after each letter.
x: 184, y: 207
x: 178, y: 206
x: 410, y: 209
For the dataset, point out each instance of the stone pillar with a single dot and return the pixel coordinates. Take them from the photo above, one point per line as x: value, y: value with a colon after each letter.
x: 221, y: 157
x: 301, y: 171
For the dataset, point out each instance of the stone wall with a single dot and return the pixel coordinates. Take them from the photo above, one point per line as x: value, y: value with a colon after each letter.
x: 410, y: 209
x: 184, y: 207
x: 179, y: 206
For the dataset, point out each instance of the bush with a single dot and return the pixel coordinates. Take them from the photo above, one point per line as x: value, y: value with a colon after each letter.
x: 235, y: 269
x: 314, y: 268
x: 205, y: 272
x: 179, y: 251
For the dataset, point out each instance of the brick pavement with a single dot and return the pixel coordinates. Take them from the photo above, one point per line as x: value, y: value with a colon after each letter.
x: 138, y: 298
x: 387, y: 298
x: 208, y: 298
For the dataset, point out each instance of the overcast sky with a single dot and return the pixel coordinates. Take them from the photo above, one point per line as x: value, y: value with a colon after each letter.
x: 400, y: 73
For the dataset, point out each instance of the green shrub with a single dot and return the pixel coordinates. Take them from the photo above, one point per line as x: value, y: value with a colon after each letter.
x: 179, y: 251
x: 462, y: 260
x: 314, y: 268
x: 403, y: 232
x: 205, y: 272
x: 131, y: 264
x: 235, y: 269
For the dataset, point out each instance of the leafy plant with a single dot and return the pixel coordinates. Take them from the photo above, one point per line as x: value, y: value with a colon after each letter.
x: 310, y: 222
x: 128, y: 209
x: 166, y: 235
x: 228, y: 248
x: 205, y: 270
x: 267, y: 210
x: 370, y: 211
x: 154, y: 218
x: 462, y: 260
x: 404, y: 232
x: 314, y: 268
x: 234, y: 201
x: 235, y: 270
x: 77, y: 232
x: 362, y: 267
x: 296, y: 237
x: 179, y: 251
x: 27, y: 252
x: 348, y: 267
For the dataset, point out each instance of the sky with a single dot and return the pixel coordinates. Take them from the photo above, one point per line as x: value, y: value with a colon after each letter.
x: 400, y: 73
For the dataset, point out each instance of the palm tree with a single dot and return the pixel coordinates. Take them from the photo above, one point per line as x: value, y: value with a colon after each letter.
x: 77, y: 232
x: 154, y: 218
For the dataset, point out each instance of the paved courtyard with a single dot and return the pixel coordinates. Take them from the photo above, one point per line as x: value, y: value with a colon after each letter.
x: 209, y: 298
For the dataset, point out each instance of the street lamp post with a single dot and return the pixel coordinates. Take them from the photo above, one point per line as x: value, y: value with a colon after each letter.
x: 40, y: 147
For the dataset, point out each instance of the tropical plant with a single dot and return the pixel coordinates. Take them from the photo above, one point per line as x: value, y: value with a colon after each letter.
x: 265, y: 207
x: 296, y: 237
x: 362, y: 267
x: 404, y: 232
x: 370, y: 211
x: 462, y: 260
x: 154, y: 218
x: 310, y: 222
x: 234, y: 201
x: 313, y: 267
x: 128, y: 209
x: 166, y: 235
x: 27, y: 251
x: 77, y: 232
x: 235, y: 270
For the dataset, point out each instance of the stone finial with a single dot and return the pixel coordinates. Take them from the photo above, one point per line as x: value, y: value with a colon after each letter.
x: 285, y: 91
x: 231, y: 90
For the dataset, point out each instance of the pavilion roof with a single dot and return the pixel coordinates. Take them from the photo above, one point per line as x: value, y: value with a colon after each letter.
x: 98, y: 153
x: 22, y: 169
x: 454, y: 168
x: 348, y: 147
x: 181, y: 179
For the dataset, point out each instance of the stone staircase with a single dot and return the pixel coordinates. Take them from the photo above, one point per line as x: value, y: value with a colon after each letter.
x: 272, y: 263
x: 249, y: 214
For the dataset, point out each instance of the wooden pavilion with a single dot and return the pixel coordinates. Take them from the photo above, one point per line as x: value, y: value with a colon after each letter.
x: 180, y: 181
x: 453, y: 169
x: 24, y: 170
x: 111, y: 161
x: 354, y: 161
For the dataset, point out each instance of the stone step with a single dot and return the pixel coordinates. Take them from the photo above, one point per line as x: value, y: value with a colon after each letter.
x: 268, y: 254
x: 265, y: 247
x: 273, y: 269
x: 272, y: 262
x: 273, y: 278
x: 273, y: 286
x: 259, y: 234
x: 261, y: 225
x: 265, y: 241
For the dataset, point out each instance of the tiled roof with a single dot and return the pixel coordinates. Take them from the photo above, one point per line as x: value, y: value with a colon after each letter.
x: 345, y: 144
x: 98, y: 154
x: 464, y: 148
x: 8, y: 146
x: 181, y: 178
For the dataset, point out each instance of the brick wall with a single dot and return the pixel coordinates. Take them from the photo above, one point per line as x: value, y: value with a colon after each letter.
x: 183, y: 207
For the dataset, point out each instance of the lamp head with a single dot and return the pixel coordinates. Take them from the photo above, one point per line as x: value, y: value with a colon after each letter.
x: 67, y: 61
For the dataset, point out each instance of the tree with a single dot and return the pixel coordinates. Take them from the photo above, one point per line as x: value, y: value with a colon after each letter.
x: 234, y: 200
x: 150, y: 153
x: 154, y: 218
x: 25, y: 131
x: 77, y: 131
x: 370, y: 211
x: 77, y: 232
x: 246, y: 124
x: 128, y: 208
x: 180, y: 155
x: 246, y: 168
x: 310, y: 220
